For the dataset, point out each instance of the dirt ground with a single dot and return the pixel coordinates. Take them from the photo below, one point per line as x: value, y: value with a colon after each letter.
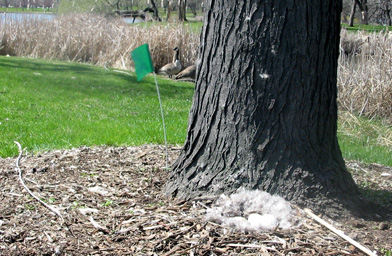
x: 110, y: 203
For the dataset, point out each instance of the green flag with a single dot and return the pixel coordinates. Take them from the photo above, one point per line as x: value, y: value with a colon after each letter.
x: 143, y: 62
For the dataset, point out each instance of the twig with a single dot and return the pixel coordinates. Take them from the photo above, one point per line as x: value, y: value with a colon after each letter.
x: 206, y: 198
x: 180, y: 233
x: 339, y: 233
x: 173, y: 250
x: 126, y: 230
x: 98, y: 226
x: 252, y: 246
x: 182, y: 252
x: 247, y: 246
x: 31, y: 181
x: 202, y: 205
x: 57, y: 212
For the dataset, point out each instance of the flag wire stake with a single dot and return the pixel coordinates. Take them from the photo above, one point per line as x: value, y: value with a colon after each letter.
x: 163, y: 120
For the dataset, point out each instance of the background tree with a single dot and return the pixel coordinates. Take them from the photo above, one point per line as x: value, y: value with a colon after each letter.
x: 382, y: 12
x: 264, y: 113
x: 114, y: 4
x: 155, y: 10
x: 363, y: 7
x: 182, y: 10
x: 352, y: 14
x: 370, y: 11
x: 169, y: 9
x: 193, y: 7
x: 5, y: 3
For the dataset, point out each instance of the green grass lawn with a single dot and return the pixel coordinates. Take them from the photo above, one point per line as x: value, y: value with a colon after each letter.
x: 54, y: 105
x: 368, y: 28
x: 365, y: 140
x: 47, y: 105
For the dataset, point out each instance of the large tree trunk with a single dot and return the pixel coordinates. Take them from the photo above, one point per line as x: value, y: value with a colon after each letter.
x: 264, y: 113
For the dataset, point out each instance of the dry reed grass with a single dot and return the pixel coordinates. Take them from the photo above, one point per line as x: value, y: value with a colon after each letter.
x: 365, y: 66
x: 94, y: 39
x: 365, y: 74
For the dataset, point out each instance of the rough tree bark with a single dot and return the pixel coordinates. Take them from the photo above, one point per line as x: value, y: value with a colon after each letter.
x: 264, y: 113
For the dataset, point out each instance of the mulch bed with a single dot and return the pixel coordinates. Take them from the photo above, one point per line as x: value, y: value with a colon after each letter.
x: 111, y: 202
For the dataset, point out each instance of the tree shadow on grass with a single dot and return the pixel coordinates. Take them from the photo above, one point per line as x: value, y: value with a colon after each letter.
x: 167, y: 88
x: 38, y: 65
x: 107, y: 80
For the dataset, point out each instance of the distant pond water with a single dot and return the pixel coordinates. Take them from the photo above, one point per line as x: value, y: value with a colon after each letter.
x: 8, y: 17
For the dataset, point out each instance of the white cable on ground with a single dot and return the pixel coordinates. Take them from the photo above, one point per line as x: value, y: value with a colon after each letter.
x: 57, y: 212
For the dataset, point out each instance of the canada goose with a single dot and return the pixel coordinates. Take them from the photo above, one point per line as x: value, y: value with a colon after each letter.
x: 188, y: 73
x: 174, y: 67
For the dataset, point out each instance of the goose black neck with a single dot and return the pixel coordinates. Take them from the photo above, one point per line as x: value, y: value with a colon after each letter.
x: 176, y: 55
